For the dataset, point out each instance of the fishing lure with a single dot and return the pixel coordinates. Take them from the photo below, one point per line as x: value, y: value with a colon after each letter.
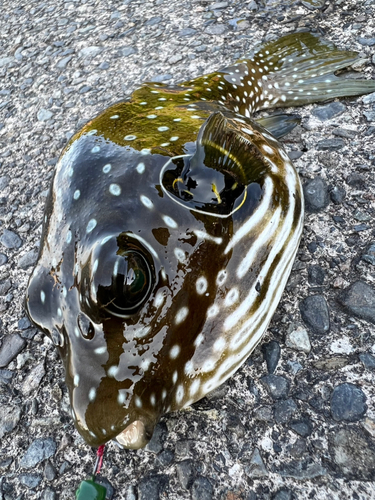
x: 169, y: 234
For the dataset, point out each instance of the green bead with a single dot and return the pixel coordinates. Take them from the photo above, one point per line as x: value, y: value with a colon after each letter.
x: 89, y: 490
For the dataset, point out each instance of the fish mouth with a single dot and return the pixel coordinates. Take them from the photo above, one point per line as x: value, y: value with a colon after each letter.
x: 134, y: 436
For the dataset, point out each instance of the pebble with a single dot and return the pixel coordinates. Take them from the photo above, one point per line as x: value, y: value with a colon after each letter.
x: 337, y: 195
x: 316, y: 275
x: 334, y: 144
x: 150, y: 487
x: 256, y: 468
x: 353, y: 455
x: 90, y: 52
x: 216, y: 29
x: 315, y: 313
x: 62, y: 63
x: 155, y: 445
x: 48, y: 494
x: 348, y: 403
x: 201, y: 489
x: 298, y: 340
x: 33, y: 379
x: 127, y: 51
x: 369, y: 256
x: 328, y: 111
x: 218, y: 5
x: 9, y: 418
x: 302, y: 427
x: 316, y: 194
x: 302, y: 470
x: 165, y: 457
x: 271, y: 353
x: 11, y: 346
x: 284, y: 410
x: 4, y: 182
x: 24, y: 323
x: 263, y: 414
x: 49, y: 471
x: 39, y: 450
x: 277, y: 386
x: 356, y: 180
x: 44, y: 114
x: 5, y: 286
x: 359, y: 300
x: 10, y: 239
x: 369, y: 98
x: 369, y: 42
x: 187, y: 32
x: 345, y: 133
x: 283, y: 493
x: 368, y: 360
x: 3, y: 259
x: 185, y: 473
x: 30, y: 480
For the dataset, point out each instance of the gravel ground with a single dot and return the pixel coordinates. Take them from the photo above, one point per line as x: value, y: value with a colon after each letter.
x: 298, y: 420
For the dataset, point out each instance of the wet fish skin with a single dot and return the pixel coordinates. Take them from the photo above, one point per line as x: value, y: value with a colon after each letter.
x: 170, y: 231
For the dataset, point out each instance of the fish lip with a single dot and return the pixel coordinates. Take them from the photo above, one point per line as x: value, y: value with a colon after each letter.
x: 134, y: 436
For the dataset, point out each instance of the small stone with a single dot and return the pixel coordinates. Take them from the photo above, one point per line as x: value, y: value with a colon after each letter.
x: 39, y: 450
x: 369, y: 425
x: 5, y: 61
x: 295, y: 154
x: 283, y: 493
x: 334, y: 144
x: 48, y: 494
x: 11, y: 346
x: 348, y: 403
x: 271, y: 353
x: 62, y: 63
x: 30, y: 480
x: 252, y: 5
x: 359, y: 300
x: 150, y: 487
x: 3, y: 259
x: 44, y: 115
x: 337, y: 195
x: 127, y: 51
x: 299, y: 340
x: 356, y: 180
x: 328, y: 111
x: 90, y: 52
x: 302, y: 470
x: 369, y: 256
x: 9, y: 239
x: 316, y: 194
x: 354, y: 456
x: 28, y: 260
x: 84, y: 89
x: 9, y: 418
x: 316, y: 275
x: 302, y: 427
x: 369, y: 42
x: 6, y: 377
x: 187, y: 32
x: 4, y: 182
x: 369, y: 99
x: 165, y: 457
x: 369, y: 115
x: 5, y: 286
x: 49, y: 471
x: 24, y: 323
x: 161, y: 78
x: 315, y: 313
x: 155, y: 445
x: 175, y: 58
x: 334, y: 363
x: 345, y: 133
x: 277, y: 386
x: 218, y: 5
x: 284, y: 410
x: 368, y: 360
x: 256, y: 468
x: 33, y: 379
x: 263, y: 414
x: 185, y: 473
x: 104, y: 65
x: 216, y: 29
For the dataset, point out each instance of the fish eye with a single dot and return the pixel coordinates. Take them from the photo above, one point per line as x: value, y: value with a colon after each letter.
x: 130, y: 284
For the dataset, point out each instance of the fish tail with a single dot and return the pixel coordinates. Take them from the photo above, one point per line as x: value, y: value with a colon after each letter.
x: 299, y: 69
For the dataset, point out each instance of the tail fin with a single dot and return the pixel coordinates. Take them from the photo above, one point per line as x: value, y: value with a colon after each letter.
x: 300, y: 68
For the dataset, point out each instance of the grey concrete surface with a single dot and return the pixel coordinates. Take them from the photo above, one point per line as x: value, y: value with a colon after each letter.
x: 298, y: 419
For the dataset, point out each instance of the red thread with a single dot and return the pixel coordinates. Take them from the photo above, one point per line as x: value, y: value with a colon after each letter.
x: 100, y: 454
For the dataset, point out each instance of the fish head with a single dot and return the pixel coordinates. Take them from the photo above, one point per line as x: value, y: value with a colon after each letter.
x: 136, y: 275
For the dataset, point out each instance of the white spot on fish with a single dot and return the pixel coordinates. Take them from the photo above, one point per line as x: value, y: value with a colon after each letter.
x: 115, y: 189
x: 175, y: 351
x: 130, y: 137
x: 100, y: 350
x: 42, y: 297
x: 146, y: 201
x: 169, y: 221
x: 181, y: 315
x: 114, y: 117
x: 174, y: 377
x: 92, y: 394
x: 95, y: 149
x: 76, y: 380
x: 138, y: 402
x: 77, y: 194
x: 151, y: 117
x: 201, y: 285
x: 107, y: 168
x: 213, y: 311
x: 163, y: 129
x: 179, y: 393
x: 180, y: 255
x: 68, y: 236
x: 91, y: 225
x: 140, y: 168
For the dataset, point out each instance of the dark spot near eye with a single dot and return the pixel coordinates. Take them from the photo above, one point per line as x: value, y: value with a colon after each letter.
x: 257, y: 287
x: 86, y: 327
x: 161, y: 235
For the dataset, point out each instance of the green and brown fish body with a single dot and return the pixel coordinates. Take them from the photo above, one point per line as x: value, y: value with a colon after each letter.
x: 170, y: 231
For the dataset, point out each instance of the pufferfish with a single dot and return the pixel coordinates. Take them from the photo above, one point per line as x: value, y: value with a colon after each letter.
x: 170, y: 230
